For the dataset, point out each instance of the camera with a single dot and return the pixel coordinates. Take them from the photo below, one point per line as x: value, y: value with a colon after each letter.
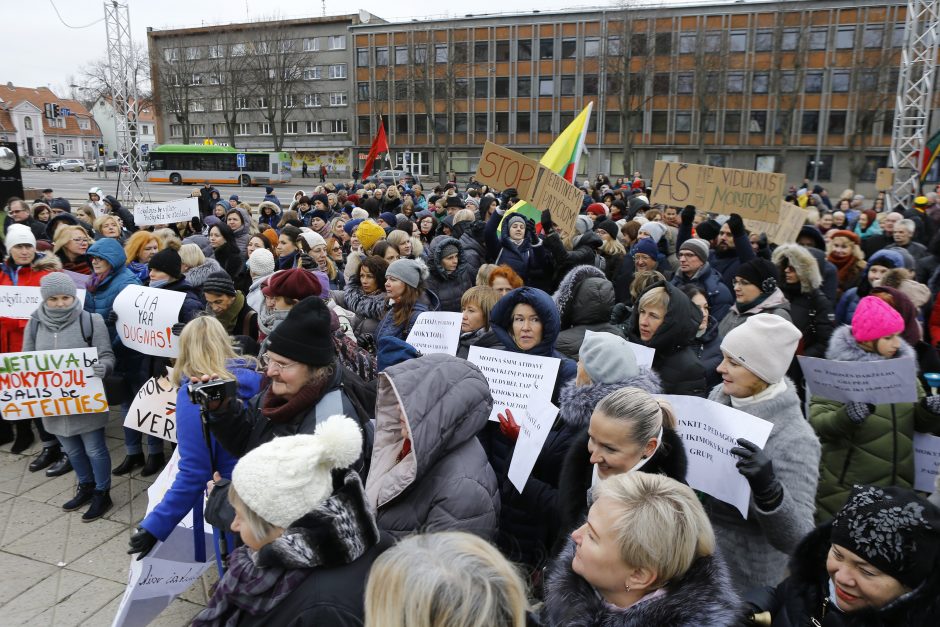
x: 212, y: 394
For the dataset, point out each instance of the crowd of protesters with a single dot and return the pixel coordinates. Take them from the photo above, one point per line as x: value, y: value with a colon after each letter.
x: 365, y: 481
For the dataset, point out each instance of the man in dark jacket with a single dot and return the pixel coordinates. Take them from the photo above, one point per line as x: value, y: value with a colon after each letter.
x: 730, y: 249
x: 694, y: 268
x: 228, y: 305
x: 18, y: 212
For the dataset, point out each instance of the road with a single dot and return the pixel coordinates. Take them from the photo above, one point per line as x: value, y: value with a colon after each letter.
x: 75, y: 185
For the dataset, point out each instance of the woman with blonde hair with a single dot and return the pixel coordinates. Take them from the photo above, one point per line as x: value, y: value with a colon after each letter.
x: 71, y: 246
x: 409, y: 247
x: 446, y: 579
x: 109, y: 226
x: 645, y: 556
x: 168, y: 238
x: 205, y: 349
x: 196, y: 267
x: 139, y: 249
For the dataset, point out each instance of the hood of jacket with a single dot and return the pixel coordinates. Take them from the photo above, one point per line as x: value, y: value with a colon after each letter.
x: 589, y: 239
x: 584, y: 296
x: 445, y: 402
x: 576, y: 403
x: 109, y: 250
x: 501, y: 319
x: 843, y: 347
x: 437, y: 246
x: 198, y: 274
x: 680, y: 324
x: 704, y: 595
x: 811, y: 231
x: 270, y: 205
x: 803, y: 263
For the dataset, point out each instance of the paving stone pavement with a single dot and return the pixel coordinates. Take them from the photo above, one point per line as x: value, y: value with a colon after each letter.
x: 56, y: 570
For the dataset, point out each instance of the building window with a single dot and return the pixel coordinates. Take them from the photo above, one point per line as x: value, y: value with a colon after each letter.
x: 313, y: 100
x: 28, y: 123
x: 837, y: 122
x: 362, y: 92
x: 735, y: 82
x: 818, y: 37
x: 218, y: 129
x: 338, y: 99
x: 787, y: 83
x: 545, y: 122
x: 421, y: 124
x: 192, y: 53
x: 733, y: 122
x: 216, y: 51
x: 197, y: 130
x: 176, y: 130
x: 312, y: 44
x: 737, y: 41
x: 764, y: 41
x: 501, y: 122
x: 381, y: 56
x: 546, y: 48
x: 589, y: 85
x: 567, y: 86
x: 824, y: 166
x: 362, y: 125
x: 401, y: 55
x: 265, y: 128
x: 845, y: 38
x: 683, y: 122
x: 242, y: 128
x: 311, y: 73
x: 569, y: 48
x: 241, y: 103
x: 840, y: 81
x: 760, y: 82
x: 239, y: 50
x: 502, y: 51
x: 481, y: 88
x: 611, y: 122
x: 813, y: 82
x: 687, y: 43
x: 216, y: 104
x: 685, y: 83
x: 873, y: 36
x: 262, y: 102
x: 592, y: 47
x: 401, y: 124
x: 713, y: 42
x: 313, y: 127
x: 196, y: 80
x: 546, y: 86
x: 289, y: 101
x: 381, y: 90
x: 758, y: 122
x: 338, y: 70
x: 501, y: 87
x: 197, y: 105
x: 810, y: 122
x: 401, y: 90
x: 524, y: 87
x: 661, y: 84
x: 614, y: 46
x: 460, y: 122
x: 338, y: 126
x: 290, y: 128
x: 660, y: 121
x: 790, y: 38
x: 523, y: 123
x: 897, y: 36
x: 481, y: 51
x: 440, y: 53
x: 171, y: 55
x: 337, y: 42
x: 867, y: 81
x: 362, y: 57
x: 664, y: 44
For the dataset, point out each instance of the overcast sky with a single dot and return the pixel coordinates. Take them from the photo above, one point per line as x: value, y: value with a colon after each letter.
x: 42, y: 49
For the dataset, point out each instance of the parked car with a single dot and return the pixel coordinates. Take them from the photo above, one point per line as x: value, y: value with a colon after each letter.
x: 112, y: 165
x: 67, y: 165
x: 394, y: 177
x: 41, y: 162
x: 91, y: 166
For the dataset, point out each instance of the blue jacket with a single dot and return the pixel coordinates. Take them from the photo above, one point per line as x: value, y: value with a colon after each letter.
x: 720, y: 299
x: 101, y: 299
x: 195, y: 467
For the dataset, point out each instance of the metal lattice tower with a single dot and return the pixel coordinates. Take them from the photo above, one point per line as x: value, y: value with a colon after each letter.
x: 915, y: 96
x: 122, y: 66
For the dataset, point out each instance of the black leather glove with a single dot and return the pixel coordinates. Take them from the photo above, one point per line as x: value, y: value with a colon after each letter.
x: 858, y: 412
x: 177, y: 328
x: 619, y: 313
x: 112, y: 318
x: 757, y: 468
x: 547, y: 221
x: 688, y: 214
x: 367, y: 342
x: 307, y: 262
x: 141, y: 542
x: 736, y: 224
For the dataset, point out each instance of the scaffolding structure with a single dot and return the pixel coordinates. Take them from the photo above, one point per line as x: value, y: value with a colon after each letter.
x: 914, y: 99
x: 122, y: 66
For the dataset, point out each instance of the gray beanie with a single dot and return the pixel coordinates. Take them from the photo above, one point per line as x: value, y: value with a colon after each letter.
x: 56, y: 284
x: 656, y: 230
x: 583, y: 224
x: 698, y: 247
x: 607, y: 358
x: 516, y: 217
x: 409, y: 271
x: 448, y: 250
x: 764, y: 344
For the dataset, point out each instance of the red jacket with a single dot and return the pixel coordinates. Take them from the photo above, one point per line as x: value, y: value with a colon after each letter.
x: 11, y: 329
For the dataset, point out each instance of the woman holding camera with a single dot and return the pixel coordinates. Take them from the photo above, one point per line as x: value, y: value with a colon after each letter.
x: 205, y: 349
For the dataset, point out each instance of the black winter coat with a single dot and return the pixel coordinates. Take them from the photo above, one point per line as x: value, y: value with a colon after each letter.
x: 707, y: 348
x: 583, y: 253
x: 812, y: 314
x: 584, y: 300
x: 675, y: 361
x: 449, y: 286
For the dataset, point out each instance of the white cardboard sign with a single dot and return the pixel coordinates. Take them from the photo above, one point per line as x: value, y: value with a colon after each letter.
x: 21, y: 301
x: 182, y: 210
x: 436, y: 332
x: 876, y: 382
x: 515, y: 378
x: 50, y: 383
x: 146, y: 316
x: 926, y: 461
x: 534, y: 426
x: 709, y: 431
x: 153, y: 410
x: 644, y: 354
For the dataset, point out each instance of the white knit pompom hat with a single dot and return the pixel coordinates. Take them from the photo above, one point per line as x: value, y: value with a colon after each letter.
x: 284, y: 479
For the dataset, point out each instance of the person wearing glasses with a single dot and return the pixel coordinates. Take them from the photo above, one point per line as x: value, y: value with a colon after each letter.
x: 71, y: 247
x: 755, y: 291
x: 694, y: 269
x: 18, y: 212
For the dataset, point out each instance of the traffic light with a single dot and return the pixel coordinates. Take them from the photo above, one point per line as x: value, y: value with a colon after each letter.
x: 100, y: 150
x: 55, y: 110
x: 55, y: 148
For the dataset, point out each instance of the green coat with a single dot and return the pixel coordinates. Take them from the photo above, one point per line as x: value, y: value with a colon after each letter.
x: 879, y: 451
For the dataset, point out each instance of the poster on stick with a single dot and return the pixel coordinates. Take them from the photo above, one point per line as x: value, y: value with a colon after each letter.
x: 50, y: 383
x: 875, y: 382
x: 926, y: 461
x: 562, y: 199
x: 709, y: 431
x: 751, y: 194
x: 502, y: 168
x: 153, y: 410
x: 884, y: 179
x: 792, y: 219
x: 534, y: 425
x: 146, y: 316
x: 182, y: 210
x: 21, y: 301
x: 436, y: 332
x: 515, y: 378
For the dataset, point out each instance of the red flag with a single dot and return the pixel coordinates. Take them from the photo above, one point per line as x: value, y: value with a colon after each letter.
x: 379, y: 146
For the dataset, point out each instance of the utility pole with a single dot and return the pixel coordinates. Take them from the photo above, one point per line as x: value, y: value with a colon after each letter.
x: 122, y: 67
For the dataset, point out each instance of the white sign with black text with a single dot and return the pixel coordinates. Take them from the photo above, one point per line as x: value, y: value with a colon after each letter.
x: 515, y: 378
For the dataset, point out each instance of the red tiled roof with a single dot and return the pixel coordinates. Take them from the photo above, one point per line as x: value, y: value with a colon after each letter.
x: 38, y: 97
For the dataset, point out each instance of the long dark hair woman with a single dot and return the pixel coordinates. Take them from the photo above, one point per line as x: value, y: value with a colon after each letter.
x: 225, y: 250
x: 406, y: 289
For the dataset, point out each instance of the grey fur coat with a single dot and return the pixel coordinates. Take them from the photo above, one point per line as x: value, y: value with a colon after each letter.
x: 757, y: 549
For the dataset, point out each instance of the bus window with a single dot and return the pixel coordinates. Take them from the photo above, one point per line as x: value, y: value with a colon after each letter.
x: 157, y: 163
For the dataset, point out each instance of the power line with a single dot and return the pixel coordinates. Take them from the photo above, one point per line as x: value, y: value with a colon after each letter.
x: 59, y: 15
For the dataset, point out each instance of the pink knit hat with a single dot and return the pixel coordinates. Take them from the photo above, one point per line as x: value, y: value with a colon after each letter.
x: 875, y: 319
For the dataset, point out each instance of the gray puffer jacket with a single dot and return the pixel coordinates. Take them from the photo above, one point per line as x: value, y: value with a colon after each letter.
x: 39, y: 337
x: 444, y: 482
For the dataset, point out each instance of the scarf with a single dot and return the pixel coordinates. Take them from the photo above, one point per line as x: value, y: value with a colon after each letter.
x: 846, y: 268
x: 745, y: 307
x: 229, y: 316
x: 771, y: 391
x: 57, y: 319
x: 98, y: 280
x: 282, y: 410
x: 286, y: 262
x: 269, y: 319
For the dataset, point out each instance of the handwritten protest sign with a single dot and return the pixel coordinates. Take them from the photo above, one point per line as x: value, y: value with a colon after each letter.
x: 514, y: 378
x: 754, y: 195
x: 502, y: 168
x: 926, y: 461
x: 562, y: 199
x: 20, y: 301
x: 792, y: 219
x: 153, y: 410
x: 876, y: 382
x: 884, y: 180
x: 50, y: 383
x: 146, y: 316
x: 436, y: 332
x: 644, y: 354
x: 709, y: 431
x: 534, y: 425
x: 182, y: 210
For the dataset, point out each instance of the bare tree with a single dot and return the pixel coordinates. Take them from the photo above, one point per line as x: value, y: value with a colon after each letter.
x: 94, y: 80
x: 787, y: 79
x: 873, y: 93
x: 229, y: 81
x: 176, y: 74
x: 710, y: 65
x: 276, y: 68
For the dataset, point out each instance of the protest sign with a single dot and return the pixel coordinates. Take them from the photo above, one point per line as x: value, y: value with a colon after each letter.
x: 792, y: 219
x: 562, y: 199
x: 644, y: 354
x: 436, y: 332
x: 153, y: 410
x: 21, y: 301
x: 884, y: 180
x: 876, y: 382
x: 926, y: 461
x: 50, y: 383
x: 502, y: 168
x: 146, y: 316
x: 534, y: 425
x: 182, y: 210
x: 754, y: 195
x: 709, y: 431
x: 515, y: 378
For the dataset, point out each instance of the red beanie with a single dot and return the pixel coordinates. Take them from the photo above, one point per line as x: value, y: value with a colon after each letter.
x: 598, y: 209
x: 296, y: 283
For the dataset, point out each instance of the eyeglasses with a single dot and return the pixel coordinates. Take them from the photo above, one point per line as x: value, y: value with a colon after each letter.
x: 80, y: 240
x: 336, y: 249
x: 685, y: 255
x: 265, y: 363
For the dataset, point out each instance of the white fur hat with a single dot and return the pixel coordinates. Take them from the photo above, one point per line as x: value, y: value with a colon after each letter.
x: 284, y: 479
